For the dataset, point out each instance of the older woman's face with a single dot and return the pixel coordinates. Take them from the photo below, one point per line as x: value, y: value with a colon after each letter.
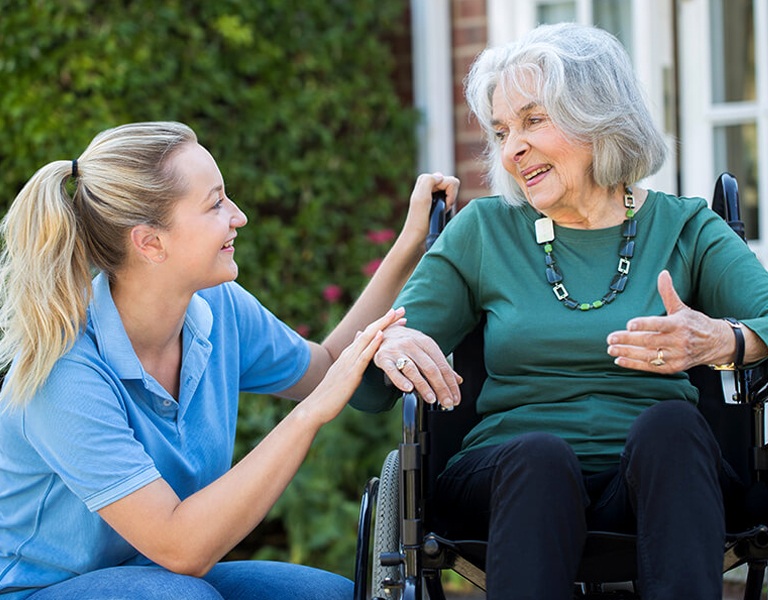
x: 553, y: 171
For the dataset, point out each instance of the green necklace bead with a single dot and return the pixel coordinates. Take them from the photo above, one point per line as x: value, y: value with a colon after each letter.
x: 620, y: 279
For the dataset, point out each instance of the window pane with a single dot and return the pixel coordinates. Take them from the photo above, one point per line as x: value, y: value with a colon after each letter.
x: 733, y: 50
x: 736, y: 151
x: 614, y: 16
x: 555, y: 12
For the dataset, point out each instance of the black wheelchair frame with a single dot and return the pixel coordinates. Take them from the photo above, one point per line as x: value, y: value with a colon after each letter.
x: 407, y: 557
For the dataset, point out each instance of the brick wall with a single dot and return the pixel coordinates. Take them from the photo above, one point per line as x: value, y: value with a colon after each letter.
x: 400, y: 42
x: 470, y: 36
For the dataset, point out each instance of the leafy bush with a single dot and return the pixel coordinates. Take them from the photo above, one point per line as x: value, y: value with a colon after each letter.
x: 296, y: 101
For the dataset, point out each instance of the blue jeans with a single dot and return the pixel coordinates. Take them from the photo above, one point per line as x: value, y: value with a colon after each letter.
x: 236, y: 580
x: 533, y: 503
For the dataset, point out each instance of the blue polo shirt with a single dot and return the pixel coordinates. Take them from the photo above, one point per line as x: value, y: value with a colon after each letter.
x: 101, y: 428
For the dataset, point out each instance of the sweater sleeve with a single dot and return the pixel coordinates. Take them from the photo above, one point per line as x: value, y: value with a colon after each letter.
x: 440, y: 298
x: 729, y: 279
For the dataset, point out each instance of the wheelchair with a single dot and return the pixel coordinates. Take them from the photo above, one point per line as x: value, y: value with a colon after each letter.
x: 399, y: 556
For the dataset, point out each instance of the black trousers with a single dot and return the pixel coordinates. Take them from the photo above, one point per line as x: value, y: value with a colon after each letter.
x: 531, y: 500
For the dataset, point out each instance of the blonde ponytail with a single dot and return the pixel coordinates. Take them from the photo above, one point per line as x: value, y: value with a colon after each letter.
x: 44, y: 279
x: 52, y: 241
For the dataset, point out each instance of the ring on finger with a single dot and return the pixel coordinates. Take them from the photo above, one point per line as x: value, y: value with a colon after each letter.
x: 659, y: 360
x: 401, y: 362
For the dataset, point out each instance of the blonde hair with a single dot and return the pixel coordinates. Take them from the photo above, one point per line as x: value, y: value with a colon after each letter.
x: 52, y: 241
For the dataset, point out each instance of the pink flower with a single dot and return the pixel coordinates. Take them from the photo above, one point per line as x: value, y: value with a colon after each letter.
x: 332, y: 293
x: 370, y: 268
x: 303, y: 330
x: 380, y: 236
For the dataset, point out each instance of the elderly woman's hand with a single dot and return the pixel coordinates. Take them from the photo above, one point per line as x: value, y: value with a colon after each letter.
x: 412, y: 359
x: 682, y: 339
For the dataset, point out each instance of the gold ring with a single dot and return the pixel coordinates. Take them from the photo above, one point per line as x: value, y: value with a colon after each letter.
x: 659, y: 360
x: 401, y: 362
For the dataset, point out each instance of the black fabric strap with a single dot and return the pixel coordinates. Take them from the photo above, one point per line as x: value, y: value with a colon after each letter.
x: 738, y: 333
x: 736, y: 327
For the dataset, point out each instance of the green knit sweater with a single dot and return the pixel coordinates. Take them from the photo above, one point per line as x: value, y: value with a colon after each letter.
x: 548, y: 366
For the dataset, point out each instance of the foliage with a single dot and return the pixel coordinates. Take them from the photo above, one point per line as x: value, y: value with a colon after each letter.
x: 295, y: 99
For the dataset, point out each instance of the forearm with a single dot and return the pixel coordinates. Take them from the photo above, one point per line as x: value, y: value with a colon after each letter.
x: 392, y: 274
x: 398, y: 264
x: 723, y: 345
x: 755, y: 349
x: 219, y: 516
x: 192, y: 535
x: 380, y: 293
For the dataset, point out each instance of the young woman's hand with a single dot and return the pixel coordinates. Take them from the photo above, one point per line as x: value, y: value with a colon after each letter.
x: 345, y: 374
x: 416, y: 225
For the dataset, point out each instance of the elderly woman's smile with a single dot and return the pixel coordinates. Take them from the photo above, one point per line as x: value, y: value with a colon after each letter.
x: 529, y: 174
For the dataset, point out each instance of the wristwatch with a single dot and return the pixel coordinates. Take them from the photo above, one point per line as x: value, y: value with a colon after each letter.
x: 738, y: 333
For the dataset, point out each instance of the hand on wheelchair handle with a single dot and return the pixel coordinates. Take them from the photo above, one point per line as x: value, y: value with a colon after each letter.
x: 420, y: 207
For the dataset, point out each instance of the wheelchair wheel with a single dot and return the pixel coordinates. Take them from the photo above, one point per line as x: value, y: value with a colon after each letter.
x: 386, y: 531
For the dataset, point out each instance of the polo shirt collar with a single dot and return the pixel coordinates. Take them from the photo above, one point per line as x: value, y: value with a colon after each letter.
x: 112, y: 340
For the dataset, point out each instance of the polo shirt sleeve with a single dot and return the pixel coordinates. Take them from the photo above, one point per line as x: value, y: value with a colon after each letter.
x: 272, y: 356
x: 77, y: 424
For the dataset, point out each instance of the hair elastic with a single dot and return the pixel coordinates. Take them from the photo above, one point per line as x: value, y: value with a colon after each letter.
x: 74, y: 168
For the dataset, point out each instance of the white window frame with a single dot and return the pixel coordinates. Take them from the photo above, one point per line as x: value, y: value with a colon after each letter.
x: 433, y: 85
x: 699, y: 117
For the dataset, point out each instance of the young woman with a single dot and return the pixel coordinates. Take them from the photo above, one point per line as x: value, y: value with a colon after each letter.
x: 121, y: 401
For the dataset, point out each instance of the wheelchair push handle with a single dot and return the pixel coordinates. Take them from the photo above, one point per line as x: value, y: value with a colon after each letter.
x: 437, y: 217
x: 725, y: 202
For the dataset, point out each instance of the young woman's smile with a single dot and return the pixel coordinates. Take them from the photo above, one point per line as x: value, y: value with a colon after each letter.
x: 205, y: 220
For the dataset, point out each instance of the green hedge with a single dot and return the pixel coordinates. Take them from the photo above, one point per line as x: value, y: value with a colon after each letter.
x: 296, y: 101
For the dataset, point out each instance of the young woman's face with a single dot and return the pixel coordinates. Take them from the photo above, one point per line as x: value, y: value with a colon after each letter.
x: 554, y: 172
x: 200, y: 241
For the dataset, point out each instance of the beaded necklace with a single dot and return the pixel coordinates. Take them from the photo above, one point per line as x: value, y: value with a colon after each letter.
x: 545, y: 235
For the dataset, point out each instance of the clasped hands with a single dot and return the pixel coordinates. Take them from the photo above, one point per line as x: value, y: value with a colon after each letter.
x: 413, y: 360
x: 665, y: 344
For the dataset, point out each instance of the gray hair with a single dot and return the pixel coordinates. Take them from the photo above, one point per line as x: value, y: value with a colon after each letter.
x: 583, y: 77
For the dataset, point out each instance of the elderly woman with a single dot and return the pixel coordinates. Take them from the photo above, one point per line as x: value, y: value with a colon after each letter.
x: 587, y: 284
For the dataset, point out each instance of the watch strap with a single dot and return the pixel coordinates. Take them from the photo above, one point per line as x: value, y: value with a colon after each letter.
x: 738, y: 333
